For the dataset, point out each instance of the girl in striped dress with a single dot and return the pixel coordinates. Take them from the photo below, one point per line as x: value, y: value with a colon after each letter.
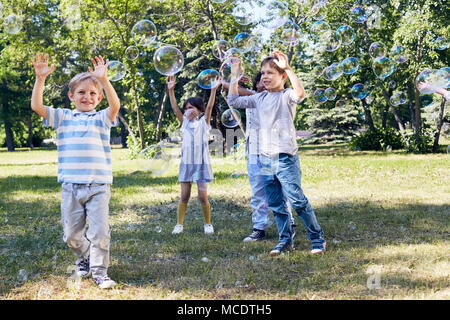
x: 195, y: 164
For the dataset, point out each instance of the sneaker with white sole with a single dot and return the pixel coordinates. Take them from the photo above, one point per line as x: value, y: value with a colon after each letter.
x: 178, y: 229
x: 255, y: 236
x: 281, y: 247
x: 318, y: 247
x: 104, y: 282
x: 208, y: 228
x: 83, y: 267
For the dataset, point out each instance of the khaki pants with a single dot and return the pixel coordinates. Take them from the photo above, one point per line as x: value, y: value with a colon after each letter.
x: 81, y: 201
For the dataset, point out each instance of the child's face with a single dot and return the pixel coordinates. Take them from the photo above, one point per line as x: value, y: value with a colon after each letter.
x: 190, y: 106
x: 271, y: 78
x: 86, y: 96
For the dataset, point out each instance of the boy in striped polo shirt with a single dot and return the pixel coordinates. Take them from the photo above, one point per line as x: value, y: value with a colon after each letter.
x: 84, y: 162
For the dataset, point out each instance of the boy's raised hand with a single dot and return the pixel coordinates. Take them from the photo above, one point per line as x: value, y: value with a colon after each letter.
x: 41, y: 66
x: 100, y: 68
x: 282, y: 61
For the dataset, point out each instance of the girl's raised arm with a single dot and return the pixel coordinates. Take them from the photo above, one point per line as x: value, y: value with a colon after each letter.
x: 173, y: 101
x: 211, y: 101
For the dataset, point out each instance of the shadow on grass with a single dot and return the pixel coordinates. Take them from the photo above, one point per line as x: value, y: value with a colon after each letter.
x: 143, y: 256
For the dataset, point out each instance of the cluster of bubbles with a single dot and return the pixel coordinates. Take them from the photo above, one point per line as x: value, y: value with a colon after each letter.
x: 324, y: 95
x: 432, y: 80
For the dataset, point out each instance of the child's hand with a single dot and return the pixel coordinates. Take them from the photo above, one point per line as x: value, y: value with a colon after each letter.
x: 100, y: 68
x: 282, y: 61
x: 235, y: 69
x: 171, y: 82
x: 217, y: 85
x: 423, y: 86
x: 41, y: 66
x: 191, y: 114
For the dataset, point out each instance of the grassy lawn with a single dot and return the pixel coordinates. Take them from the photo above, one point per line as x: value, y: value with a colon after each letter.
x: 385, y: 218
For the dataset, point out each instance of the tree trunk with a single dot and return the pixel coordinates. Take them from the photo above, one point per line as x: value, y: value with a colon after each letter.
x: 394, y: 111
x: 411, y: 99
x: 125, y: 123
x: 439, y: 126
x: 368, y: 114
x: 417, y: 119
x: 162, y: 108
x: 138, y: 111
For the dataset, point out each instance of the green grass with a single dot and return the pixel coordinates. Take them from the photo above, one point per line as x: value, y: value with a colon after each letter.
x: 385, y: 215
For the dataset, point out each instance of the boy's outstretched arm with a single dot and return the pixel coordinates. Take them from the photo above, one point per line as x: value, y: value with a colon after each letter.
x: 171, y: 82
x: 42, y: 71
x: 211, y: 101
x: 283, y: 63
x: 100, y: 73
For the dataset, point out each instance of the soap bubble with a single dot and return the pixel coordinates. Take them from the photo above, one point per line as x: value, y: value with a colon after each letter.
x: 392, y: 84
x: 332, y: 43
x: 74, y: 18
x: 220, y: 47
x: 320, y: 96
x: 359, y: 14
x: 430, y: 80
x: 319, y: 11
x: 12, y: 24
x: 225, y: 70
x: 230, y: 118
x: 332, y: 72
x: 243, y: 12
x: 317, y: 70
x: 208, y: 78
x: 377, y: 50
x: 116, y: 70
x: 320, y: 30
x: 349, y: 65
x: 359, y: 91
x: 1, y: 9
x: 330, y: 94
x: 132, y: 52
x: 158, y: 229
x: 144, y: 32
x: 290, y: 33
x: 399, y: 54
x: 232, y: 52
x: 441, y: 43
x: 447, y: 75
x: 276, y: 13
x: 398, y: 98
x: 383, y: 67
x: 347, y: 34
x: 244, y: 42
x: 168, y: 60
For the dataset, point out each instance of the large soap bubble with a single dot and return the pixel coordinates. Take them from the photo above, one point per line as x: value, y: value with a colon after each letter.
x: 377, y: 50
x: 208, y: 79
x: 168, y: 60
x: 290, y: 33
x: 359, y: 14
x: 320, y: 30
x: 230, y: 118
x: 383, y: 67
x: 319, y: 11
x: 431, y: 80
x: 330, y: 93
x: 244, y: 42
x: 275, y: 14
x: 441, y: 43
x: 226, y: 71
x: 132, y: 52
x: 332, y: 72
x: 359, y: 91
x: 12, y: 24
x: 243, y: 12
x: 144, y: 32
x: 220, y: 47
x: 116, y: 70
x: 398, y: 98
x: 399, y: 54
x: 320, y: 96
x: 349, y: 65
x: 332, y: 43
x: 347, y: 34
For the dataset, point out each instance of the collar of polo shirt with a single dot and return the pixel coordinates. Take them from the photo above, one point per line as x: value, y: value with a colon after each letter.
x: 89, y: 112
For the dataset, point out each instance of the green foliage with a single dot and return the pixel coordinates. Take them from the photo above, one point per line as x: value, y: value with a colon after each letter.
x: 149, y: 139
x: 380, y: 139
x: 418, y: 143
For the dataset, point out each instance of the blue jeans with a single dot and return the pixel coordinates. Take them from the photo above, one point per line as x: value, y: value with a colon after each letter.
x: 260, y: 212
x: 282, y: 178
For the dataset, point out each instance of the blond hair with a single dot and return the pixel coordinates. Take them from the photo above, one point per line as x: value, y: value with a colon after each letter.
x: 73, y: 84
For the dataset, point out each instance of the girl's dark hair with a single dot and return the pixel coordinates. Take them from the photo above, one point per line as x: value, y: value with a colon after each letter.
x: 256, y: 80
x: 196, y: 102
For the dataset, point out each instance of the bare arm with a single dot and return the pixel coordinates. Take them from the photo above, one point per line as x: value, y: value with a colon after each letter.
x: 100, y: 73
x: 283, y: 63
x: 211, y: 101
x: 42, y: 70
x: 173, y: 101
x: 241, y: 91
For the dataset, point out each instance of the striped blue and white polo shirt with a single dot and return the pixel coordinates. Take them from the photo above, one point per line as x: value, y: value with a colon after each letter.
x: 84, y: 151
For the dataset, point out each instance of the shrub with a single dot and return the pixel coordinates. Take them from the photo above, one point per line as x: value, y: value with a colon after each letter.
x: 380, y: 139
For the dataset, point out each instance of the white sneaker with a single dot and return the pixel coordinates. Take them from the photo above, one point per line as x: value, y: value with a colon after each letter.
x: 178, y: 229
x: 104, y: 282
x: 208, y: 228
